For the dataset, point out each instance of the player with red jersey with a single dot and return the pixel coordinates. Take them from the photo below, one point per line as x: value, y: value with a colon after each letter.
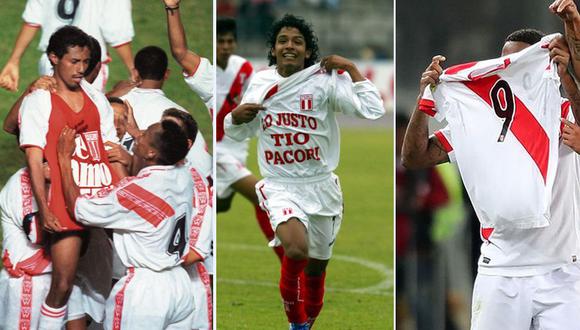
x: 76, y: 104
x: 292, y: 109
x: 233, y: 74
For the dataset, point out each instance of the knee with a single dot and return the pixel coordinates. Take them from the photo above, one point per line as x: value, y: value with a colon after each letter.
x: 296, y: 251
x: 62, y: 283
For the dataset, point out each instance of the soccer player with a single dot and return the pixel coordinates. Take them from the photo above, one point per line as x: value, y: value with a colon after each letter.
x: 233, y: 75
x: 524, y: 278
x: 77, y: 104
x: 109, y: 21
x: 292, y: 109
x: 150, y: 215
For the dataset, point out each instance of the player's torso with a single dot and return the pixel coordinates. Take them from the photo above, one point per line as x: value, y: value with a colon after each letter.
x: 163, y: 198
x: 298, y: 131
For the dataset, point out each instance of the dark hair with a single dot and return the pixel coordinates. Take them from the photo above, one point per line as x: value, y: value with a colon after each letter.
x: 171, y: 143
x: 189, y: 124
x: 151, y: 63
x: 306, y: 31
x: 529, y: 36
x: 95, y: 54
x: 66, y: 37
x: 226, y: 25
x: 114, y: 99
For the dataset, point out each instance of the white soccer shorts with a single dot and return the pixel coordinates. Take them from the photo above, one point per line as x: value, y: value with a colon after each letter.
x: 229, y: 169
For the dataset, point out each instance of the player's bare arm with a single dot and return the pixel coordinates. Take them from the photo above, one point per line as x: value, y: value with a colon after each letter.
x: 11, y: 121
x: 340, y: 63
x: 65, y: 149
x: 191, y: 258
x: 245, y: 113
x: 187, y: 59
x: 34, y: 159
x: 10, y: 74
x: 420, y: 151
x: 571, y: 135
x: 126, y: 54
x: 560, y: 54
x: 117, y: 154
x: 568, y: 13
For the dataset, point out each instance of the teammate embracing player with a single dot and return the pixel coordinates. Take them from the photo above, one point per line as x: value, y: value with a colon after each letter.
x: 291, y: 108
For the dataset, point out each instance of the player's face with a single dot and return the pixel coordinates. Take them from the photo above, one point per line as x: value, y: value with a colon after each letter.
x: 226, y: 46
x: 144, y: 149
x: 120, y: 118
x: 70, y: 69
x: 290, y: 51
x: 511, y: 47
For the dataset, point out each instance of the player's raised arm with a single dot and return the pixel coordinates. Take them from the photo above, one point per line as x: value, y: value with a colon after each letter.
x: 187, y: 59
x: 420, y: 151
x: 10, y: 74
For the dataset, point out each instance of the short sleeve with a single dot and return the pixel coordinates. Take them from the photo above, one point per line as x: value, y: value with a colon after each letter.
x: 444, y: 137
x: 202, y: 81
x: 33, y: 13
x: 34, y: 118
x: 117, y: 23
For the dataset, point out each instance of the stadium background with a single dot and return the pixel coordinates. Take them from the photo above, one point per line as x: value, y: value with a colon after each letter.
x: 360, y: 274
x: 437, y: 231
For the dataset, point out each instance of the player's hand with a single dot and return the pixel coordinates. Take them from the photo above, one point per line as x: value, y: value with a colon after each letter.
x: 171, y: 3
x: 565, y: 9
x: 329, y: 63
x: 245, y: 113
x: 116, y: 153
x: 571, y: 135
x: 66, y: 143
x: 123, y: 87
x: 131, y: 124
x: 10, y: 76
x: 47, y: 83
x: 560, y: 53
x: 432, y: 73
x: 49, y: 221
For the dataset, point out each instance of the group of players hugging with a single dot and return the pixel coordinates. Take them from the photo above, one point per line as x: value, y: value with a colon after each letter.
x: 111, y: 220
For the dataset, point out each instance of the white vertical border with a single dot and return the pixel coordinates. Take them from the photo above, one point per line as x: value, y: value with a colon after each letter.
x: 394, y: 174
x: 214, y: 176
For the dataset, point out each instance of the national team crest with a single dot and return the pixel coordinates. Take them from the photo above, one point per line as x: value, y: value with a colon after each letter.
x: 306, y: 102
x: 92, y: 139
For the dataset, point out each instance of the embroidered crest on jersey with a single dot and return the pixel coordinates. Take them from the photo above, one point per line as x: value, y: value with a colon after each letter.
x: 306, y: 102
x: 92, y: 139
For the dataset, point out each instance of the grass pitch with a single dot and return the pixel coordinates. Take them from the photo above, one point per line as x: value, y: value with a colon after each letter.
x: 150, y: 29
x: 359, y: 279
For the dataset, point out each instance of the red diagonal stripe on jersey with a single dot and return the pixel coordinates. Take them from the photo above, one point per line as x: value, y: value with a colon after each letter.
x: 486, y: 233
x: 146, y: 204
x: 444, y: 142
x: 230, y: 101
x: 524, y: 125
x: 271, y: 92
x: 456, y: 68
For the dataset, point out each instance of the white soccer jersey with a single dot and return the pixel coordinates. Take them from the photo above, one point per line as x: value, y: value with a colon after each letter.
x: 503, y: 117
x: 150, y: 214
x: 231, y: 84
x: 148, y: 106
x: 298, y: 132
x: 200, y: 234
x: 536, y: 251
x: 202, y: 81
x: 108, y: 21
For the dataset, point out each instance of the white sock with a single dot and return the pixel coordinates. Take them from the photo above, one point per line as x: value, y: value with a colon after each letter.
x: 51, y: 318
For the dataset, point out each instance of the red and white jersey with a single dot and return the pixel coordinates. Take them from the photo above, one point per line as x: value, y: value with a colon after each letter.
x: 231, y: 84
x: 200, y: 236
x: 148, y: 106
x: 202, y: 81
x: 298, y: 132
x: 149, y: 213
x: 108, y: 21
x: 503, y: 117
x: 20, y: 256
x: 536, y: 251
x: 44, y: 115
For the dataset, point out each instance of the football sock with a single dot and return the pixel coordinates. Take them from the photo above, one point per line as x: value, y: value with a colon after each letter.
x: 290, y: 289
x: 313, y: 298
x: 51, y: 318
x: 266, y: 227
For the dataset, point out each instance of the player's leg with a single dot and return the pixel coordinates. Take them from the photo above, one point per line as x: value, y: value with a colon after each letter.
x: 292, y: 234
x: 78, y: 324
x: 246, y: 186
x: 65, y: 252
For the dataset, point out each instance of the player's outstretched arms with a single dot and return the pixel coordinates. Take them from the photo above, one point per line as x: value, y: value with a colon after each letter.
x: 340, y: 63
x: 11, y: 121
x: 571, y: 135
x: 245, y: 113
x: 420, y: 151
x: 10, y: 74
x: 187, y: 59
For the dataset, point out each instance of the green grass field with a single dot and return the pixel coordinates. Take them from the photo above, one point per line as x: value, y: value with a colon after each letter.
x: 150, y: 29
x: 359, y: 279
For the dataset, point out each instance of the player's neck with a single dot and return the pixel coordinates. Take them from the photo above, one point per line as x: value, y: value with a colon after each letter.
x: 151, y: 84
x: 222, y: 63
x: 287, y: 70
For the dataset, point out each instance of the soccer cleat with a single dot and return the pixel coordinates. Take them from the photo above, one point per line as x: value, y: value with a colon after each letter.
x: 300, y: 326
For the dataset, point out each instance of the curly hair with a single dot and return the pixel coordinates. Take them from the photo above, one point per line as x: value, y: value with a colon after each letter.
x: 529, y: 36
x: 305, y: 29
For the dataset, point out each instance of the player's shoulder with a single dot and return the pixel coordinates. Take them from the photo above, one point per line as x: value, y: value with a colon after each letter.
x: 38, y: 100
x: 238, y: 60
